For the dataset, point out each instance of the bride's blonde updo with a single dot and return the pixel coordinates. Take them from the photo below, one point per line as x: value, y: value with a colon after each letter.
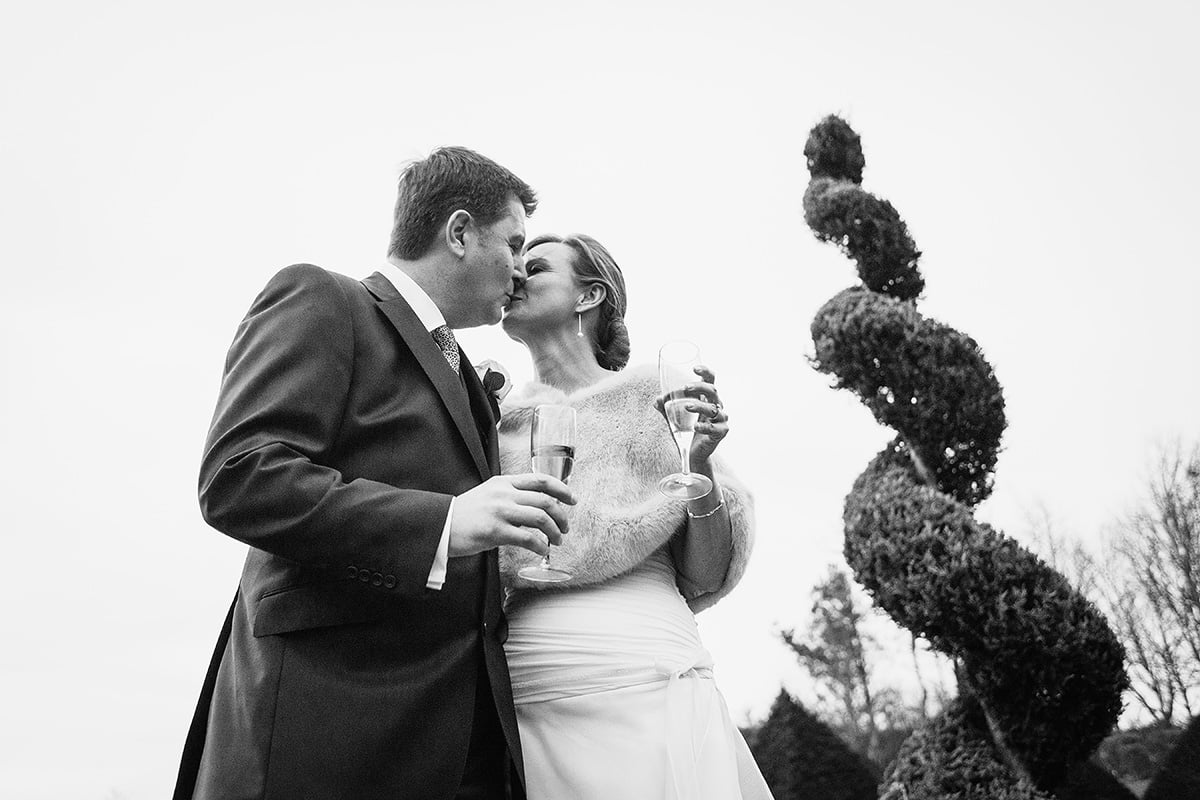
x: 594, y: 264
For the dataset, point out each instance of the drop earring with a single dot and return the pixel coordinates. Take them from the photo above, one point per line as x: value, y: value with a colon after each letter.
x: 580, y: 333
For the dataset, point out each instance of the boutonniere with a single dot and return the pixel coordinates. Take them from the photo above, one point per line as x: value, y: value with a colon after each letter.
x: 496, y: 382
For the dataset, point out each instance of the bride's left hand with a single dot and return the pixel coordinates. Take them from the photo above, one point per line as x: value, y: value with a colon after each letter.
x: 713, y: 424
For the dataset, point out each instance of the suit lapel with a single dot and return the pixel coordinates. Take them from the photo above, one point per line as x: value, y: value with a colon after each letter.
x: 485, y: 416
x: 429, y: 356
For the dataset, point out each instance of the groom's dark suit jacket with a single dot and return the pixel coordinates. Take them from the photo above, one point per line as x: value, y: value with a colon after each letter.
x: 340, y: 435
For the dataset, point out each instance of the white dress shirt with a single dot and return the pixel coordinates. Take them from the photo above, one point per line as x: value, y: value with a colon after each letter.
x: 431, y: 317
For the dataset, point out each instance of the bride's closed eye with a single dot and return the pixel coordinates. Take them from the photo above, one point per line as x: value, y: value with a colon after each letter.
x: 534, y: 266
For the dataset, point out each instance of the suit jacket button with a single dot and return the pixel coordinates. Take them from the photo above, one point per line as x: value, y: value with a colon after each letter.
x: 352, y: 572
x: 377, y: 579
x: 389, y: 581
x: 364, y: 575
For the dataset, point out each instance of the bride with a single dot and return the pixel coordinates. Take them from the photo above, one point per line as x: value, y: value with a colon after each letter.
x: 613, y: 689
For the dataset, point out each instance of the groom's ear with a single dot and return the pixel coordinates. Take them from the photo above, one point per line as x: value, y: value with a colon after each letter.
x: 593, y: 296
x: 456, y: 232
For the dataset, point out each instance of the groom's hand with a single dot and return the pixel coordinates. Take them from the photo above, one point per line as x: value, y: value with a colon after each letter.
x: 522, y: 510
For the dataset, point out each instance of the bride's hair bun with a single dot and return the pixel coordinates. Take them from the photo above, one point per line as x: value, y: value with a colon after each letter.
x: 594, y: 264
x: 612, y: 349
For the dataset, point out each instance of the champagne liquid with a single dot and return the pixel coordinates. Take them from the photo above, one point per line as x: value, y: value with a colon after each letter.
x: 681, y: 420
x: 554, y: 460
x: 678, y: 417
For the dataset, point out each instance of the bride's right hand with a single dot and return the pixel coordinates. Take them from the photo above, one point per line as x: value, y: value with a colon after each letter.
x: 713, y: 424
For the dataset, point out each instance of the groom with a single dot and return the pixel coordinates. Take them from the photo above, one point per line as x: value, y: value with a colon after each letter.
x: 354, y: 449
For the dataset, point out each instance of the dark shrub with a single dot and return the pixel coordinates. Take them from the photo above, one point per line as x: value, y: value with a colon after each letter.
x: 1088, y: 780
x: 1137, y: 754
x: 953, y: 758
x: 803, y: 759
x: 1179, y: 778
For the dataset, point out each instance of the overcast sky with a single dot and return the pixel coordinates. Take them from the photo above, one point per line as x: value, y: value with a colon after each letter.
x: 159, y: 164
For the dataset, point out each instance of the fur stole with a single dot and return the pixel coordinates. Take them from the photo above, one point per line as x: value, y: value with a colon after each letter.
x: 623, y: 448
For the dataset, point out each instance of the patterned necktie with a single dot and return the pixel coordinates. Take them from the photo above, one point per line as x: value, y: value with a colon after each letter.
x: 445, y: 339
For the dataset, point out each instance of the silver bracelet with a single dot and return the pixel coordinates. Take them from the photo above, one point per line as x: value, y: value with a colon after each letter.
x: 708, y: 513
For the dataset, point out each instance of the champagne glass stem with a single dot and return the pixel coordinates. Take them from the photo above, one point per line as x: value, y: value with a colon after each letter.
x: 685, y: 453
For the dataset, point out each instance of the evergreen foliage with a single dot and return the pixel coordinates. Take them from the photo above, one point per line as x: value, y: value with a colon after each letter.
x: 1180, y: 776
x: 1138, y: 754
x: 870, y: 231
x: 834, y: 150
x: 953, y: 758
x: 924, y: 379
x: 866, y: 228
x: 1087, y: 780
x: 1041, y: 672
x: 1038, y: 653
x: 801, y: 758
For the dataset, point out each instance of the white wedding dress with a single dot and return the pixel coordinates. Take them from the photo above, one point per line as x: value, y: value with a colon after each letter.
x: 615, y: 696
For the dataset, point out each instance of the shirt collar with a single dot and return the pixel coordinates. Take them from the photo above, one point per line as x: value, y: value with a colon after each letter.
x: 422, y: 304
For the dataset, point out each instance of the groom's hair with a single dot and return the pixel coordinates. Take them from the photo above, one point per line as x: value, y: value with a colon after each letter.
x: 449, y: 179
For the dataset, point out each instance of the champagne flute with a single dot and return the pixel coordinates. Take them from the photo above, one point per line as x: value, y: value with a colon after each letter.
x: 677, y: 362
x: 552, y: 451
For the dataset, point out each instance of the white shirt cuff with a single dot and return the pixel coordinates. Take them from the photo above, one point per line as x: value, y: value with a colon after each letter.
x: 437, y: 574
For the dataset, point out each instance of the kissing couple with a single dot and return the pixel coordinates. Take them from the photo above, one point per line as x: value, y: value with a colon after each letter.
x: 381, y: 643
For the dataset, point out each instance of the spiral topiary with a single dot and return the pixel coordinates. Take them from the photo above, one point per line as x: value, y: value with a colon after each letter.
x: 1040, y: 672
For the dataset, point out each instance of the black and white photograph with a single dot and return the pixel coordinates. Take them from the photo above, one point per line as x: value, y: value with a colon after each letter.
x: 581, y: 401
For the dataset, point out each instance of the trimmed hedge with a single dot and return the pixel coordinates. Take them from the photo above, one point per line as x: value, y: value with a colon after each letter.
x: 921, y: 378
x: 953, y: 758
x: 801, y: 758
x: 1041, y: 672
x: 1039, y: 655
x: 866, y: 228
x: 1179, y: 778
x: 1087, y: 780
x: 1138, y: 754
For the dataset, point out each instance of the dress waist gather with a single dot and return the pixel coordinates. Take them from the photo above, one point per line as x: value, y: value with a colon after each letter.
x: 631, y: 630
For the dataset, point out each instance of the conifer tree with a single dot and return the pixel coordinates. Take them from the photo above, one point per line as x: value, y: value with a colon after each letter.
x: 1179, y: 779
x: 801, y: 758
x: 1088, y: 780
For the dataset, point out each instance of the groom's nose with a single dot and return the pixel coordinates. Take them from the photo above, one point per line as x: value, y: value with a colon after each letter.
x: 519, y: 273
